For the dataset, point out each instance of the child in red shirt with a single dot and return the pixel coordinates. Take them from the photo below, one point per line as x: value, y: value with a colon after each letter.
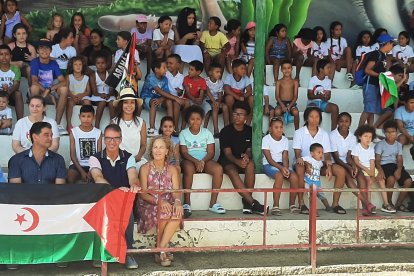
x: 195, y: 86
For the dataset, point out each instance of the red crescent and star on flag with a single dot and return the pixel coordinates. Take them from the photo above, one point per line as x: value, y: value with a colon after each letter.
x: 22, y: 219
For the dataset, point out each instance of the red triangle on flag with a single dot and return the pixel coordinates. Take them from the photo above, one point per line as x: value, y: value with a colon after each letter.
x: 109, y: 217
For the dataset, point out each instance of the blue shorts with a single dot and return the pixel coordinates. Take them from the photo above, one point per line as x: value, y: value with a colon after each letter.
x: 147, y: 105
x: 318, y: 103
x: 270, y: 171
x: 372, y: 101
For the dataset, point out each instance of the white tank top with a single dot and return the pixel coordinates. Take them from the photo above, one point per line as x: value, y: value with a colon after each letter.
x: 86, y: 144
x: 101, y: 86
x: 78, y: 86
x: 131, y: 135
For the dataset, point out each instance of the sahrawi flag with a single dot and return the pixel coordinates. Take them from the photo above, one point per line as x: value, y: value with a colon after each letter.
x: 388, y: 89
x: 122, y: 75
x: 63, y: 223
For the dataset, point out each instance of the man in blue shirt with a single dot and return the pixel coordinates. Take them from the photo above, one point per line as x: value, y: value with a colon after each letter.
x: 38, y: 165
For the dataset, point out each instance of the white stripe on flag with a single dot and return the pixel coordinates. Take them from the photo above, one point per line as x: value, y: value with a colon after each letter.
x: 52, y: 219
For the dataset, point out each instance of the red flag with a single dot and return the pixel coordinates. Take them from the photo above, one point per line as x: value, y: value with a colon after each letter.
x: 109, y: 217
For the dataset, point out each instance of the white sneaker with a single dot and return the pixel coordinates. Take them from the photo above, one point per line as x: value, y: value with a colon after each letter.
x: 62, y: 130
x: 152, y: 132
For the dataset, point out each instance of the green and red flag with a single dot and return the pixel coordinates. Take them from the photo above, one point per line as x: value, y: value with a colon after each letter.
x: 63, y: 223
x: 388, y: 89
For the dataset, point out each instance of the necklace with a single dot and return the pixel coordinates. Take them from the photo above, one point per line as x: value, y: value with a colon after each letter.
x: 128, y: 123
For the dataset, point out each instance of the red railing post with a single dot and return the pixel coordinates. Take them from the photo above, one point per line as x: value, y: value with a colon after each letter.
x: 312, y: 227
x: 265, y: 219
x: 358, y: 240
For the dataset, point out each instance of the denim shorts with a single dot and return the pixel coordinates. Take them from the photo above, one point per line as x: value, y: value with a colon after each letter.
x: 270, y: 171
x: 372, y: 101
x: 147, y: 104
x: 320, y: 195
x: 318, y: 103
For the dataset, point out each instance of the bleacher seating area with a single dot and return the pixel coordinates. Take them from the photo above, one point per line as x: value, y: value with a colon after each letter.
x: 347, y: 99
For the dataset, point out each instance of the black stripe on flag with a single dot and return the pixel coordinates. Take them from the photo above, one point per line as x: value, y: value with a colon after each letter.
x: 52, y: 194
x: 115, y: 76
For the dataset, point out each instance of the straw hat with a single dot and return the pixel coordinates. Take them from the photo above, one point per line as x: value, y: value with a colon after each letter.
x: 127, y: 94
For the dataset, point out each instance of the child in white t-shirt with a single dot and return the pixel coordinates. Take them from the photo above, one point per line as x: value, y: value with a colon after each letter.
x: 319, y: 91
x: 340, y: 54
x: 313, y: 165
x: 5, y: 114
x: 163, y: 38
x: 216, y: 97
x: 275, y: 148
x: 403, y: 53
x: 364, y: 156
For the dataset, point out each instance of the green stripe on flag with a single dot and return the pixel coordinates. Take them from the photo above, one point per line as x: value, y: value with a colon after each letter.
x: 52, y: 248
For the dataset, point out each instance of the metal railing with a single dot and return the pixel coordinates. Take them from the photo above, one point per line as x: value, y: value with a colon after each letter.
x: 312, y: 244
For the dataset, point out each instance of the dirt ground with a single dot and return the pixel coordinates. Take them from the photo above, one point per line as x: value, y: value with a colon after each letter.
x: 380, y: 261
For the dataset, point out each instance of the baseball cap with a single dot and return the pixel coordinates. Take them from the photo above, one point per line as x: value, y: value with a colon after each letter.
x: 44, y: 42
x: 250, y: 25
x: 141, y: 18
x: 385, y: 38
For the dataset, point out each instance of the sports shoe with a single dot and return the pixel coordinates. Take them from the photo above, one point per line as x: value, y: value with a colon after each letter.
x: 62, y: 130
x: 258, y: 208
x: 247, y: 208
x: 130, y: 262
x: 62, y: 265
x: 388, y: 208
x: 12, y: 266
x: 187, y: 210
x: 152, y: 132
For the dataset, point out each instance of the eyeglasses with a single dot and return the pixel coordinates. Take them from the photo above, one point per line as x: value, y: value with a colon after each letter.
x: 235, y: 114
x: 112, y: 139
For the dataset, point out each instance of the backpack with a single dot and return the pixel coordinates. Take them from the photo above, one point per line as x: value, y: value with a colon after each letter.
x: 360, y: 75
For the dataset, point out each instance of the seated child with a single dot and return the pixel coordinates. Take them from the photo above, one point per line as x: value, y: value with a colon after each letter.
x: 319, y: 91
x: 313, y: 165
x: 400, y: 78
x: 175, y: 83
x: 286, y: 94
x: 143, y: 36
x: 5, y: 114
x: 247, y: 46
x: 85, y: 141
x: 122, y: 39
x: 238, y: 87
x: 155, y: 93
x: 364, y: 156
x: 78, y: 83
x: 195, y: 86
x: 302, y: 47
x: 10, y: 77
x: 167, y: 130
x: 275, y: 148
x: 102, y: 94
x: 163, y: 38
x: 215, y: 95
x: 404, y: 115
x: 389, y: 159
x: 214, y: 44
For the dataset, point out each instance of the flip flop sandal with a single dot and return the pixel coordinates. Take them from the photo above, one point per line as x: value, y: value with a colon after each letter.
x: 162, y: 259
x: 339, y: 210
x: 402, y: 208
x: 276, y: 211
x: 294, y: 210
x: 217, y: 209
